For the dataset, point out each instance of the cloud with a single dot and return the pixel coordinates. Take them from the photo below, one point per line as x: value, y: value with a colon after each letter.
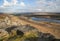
x: 14, y: 2
x: 22, y: 4
x: 48, y: 6
x: 5, y: 4
x: 40, y: 6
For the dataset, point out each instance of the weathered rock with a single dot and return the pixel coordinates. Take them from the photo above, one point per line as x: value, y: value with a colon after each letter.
x: 26, y: 28
x: 3, y: 34
x: 8, y: 21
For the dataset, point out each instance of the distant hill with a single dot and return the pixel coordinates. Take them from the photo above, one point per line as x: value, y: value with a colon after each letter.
x: 33, y: 13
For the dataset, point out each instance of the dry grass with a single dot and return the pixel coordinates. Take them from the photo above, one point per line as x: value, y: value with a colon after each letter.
x: 27, y: 36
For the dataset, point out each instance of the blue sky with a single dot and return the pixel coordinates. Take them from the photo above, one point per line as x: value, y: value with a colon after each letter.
x: 29, y: 6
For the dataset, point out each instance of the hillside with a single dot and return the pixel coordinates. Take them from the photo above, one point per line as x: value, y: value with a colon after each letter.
x: 13, y: 26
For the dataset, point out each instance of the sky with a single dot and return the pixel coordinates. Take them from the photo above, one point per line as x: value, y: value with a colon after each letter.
x: 12, y: 6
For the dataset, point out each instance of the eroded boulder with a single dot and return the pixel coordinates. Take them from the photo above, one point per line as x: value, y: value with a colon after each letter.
x: 3, y: 34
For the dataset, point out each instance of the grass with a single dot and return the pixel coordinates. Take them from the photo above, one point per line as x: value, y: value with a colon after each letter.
x: 30, y: 35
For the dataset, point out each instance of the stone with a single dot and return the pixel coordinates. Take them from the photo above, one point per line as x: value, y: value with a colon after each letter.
x: 3, y: 34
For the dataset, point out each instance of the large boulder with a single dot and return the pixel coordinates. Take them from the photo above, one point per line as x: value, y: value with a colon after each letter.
x: 8, y: 21
x: 3, y: 34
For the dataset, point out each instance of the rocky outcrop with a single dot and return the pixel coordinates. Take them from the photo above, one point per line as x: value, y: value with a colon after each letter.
x: 3, y: 34
x: 8, y: 20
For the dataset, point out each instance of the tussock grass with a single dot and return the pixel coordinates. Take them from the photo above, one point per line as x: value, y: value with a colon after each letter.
x: 31, y: 35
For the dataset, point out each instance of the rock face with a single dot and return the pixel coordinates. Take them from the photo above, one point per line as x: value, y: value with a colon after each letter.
x: 3, y: 34
x: 6, y: 24
x: 8, y: 20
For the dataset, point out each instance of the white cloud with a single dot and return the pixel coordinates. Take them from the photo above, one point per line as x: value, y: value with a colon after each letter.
x: 14, y: 2
x: 6, y: 7
x: 48, y: 6
x: 39, y: 9
x: 40, y: 5
x: 22, y: 4
x: 6, y: 3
